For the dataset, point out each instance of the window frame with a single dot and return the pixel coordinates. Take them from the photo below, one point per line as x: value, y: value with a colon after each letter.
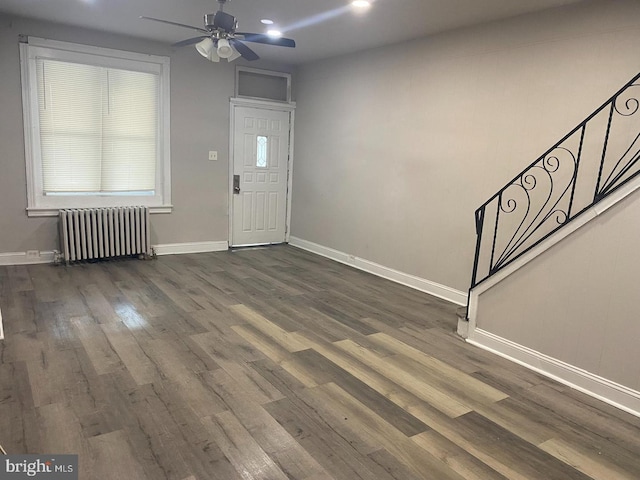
x: 39, y: 204
x: 265, y: 73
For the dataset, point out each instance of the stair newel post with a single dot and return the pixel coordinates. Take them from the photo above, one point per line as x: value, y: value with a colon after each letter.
x: 479, y: 226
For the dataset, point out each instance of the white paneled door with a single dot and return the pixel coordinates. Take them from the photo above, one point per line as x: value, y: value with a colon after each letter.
x: 259, y: 181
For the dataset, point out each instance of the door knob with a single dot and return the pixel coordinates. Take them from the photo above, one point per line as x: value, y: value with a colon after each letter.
x: 236, y: 184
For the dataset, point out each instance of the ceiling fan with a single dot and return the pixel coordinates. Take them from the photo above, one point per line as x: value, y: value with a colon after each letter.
x: 220, y: 39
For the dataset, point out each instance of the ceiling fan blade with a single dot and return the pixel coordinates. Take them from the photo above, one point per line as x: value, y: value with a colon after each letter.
x: 260, y: 38
x: 189, y: 41
x: 176, y: 24
x: 243, y: 50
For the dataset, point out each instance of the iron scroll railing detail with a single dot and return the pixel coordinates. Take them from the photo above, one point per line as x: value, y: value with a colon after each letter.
x: 592, y: 161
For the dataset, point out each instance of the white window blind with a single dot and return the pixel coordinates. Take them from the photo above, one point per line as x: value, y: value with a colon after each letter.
x: 98, y: 128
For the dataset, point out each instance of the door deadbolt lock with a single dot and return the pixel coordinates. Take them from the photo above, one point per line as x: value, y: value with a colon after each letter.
x: 236, y: 184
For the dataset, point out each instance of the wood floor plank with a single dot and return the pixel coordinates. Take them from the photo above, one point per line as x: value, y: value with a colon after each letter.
x: 174, y: 290
x: 88, y: 394
x: 129, y: 352
x: 189, y: 383
x: 248, y: 458
x: 135, y: 321
x: 453, y: 387
x: 474, y: 387
x: 336, y: 454
x: 45, y: 279
x: 603, y: 425
x: 459, y: 460
x: 18, y: 417
x: 21, y: 308
x: 168, y: 444
x: 278, y: 377
x: 350, y: 321
x: 19, y: 278
x: 365, y: 424
x: 392, y: 465
x: 49, y: 374
x: 112, y: 458
x: 268, y: 433
x: 527, y: 424
x: 60, y: 431
x: 146, y: 301
x: 437, y: 398
x: 508, y: 449
x: 101, y: 310
x: 291, y: 341
x: 392, y: 413
x: 502, y: 468
x: 102, y: 354
x: 278, y: 354
x: 216, y: 318
x: 170, y: 430
x: 252, y: 382
x: 596, y: 468
x: 225, y: 344
x: 460, y: 359
x: 23, y: 347
x: 381, y: 384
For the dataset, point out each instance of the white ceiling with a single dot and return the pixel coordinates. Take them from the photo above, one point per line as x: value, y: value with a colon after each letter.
x: 321, y: 28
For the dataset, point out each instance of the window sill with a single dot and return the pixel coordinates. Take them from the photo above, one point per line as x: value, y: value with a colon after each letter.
x: 53, y: 212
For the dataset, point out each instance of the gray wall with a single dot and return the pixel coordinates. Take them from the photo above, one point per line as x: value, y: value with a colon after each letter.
x: 200, y: 92
x: 578, y: 301
x: 396, y: 147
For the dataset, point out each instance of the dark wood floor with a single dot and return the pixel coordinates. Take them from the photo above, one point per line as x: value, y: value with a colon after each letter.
x: 277, y: 364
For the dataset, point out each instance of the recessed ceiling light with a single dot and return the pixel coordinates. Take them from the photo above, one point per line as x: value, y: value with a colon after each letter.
x: 266, y: 21
x: 361, y: 3
x: 274, y: 33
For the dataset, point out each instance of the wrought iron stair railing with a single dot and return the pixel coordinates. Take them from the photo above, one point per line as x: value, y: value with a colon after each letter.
x: 592, y: 161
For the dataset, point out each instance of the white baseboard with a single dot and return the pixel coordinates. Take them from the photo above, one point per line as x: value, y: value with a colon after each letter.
x: 427, y: 286
x: 1, y: 330
x: 21, y: 258
x: 190, y: 247
x: 598, y: 387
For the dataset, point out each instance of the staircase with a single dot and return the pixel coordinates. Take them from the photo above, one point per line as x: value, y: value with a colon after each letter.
x: 593, y: 161
x: 589, y: 170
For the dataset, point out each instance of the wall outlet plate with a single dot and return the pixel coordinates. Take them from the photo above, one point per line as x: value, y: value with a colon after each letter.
x: 213, y: 155
x: 33, y: 253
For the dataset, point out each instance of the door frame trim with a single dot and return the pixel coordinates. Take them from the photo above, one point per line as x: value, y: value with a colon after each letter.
x: 289, y: 107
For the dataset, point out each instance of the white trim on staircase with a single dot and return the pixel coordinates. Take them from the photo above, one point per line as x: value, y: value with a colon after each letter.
x: 427, y: 286
x: 598, y: 387
x: 190, y: 247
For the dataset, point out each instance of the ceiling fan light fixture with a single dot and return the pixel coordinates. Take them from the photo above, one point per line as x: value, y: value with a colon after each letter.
x: 224, y: 48
x: 235, y: 55
x: 205, y: 47
x: 218, y: 37
x: 213, y: 56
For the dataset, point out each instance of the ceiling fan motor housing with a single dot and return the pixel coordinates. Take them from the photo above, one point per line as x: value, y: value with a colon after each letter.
x: 220, y: 21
